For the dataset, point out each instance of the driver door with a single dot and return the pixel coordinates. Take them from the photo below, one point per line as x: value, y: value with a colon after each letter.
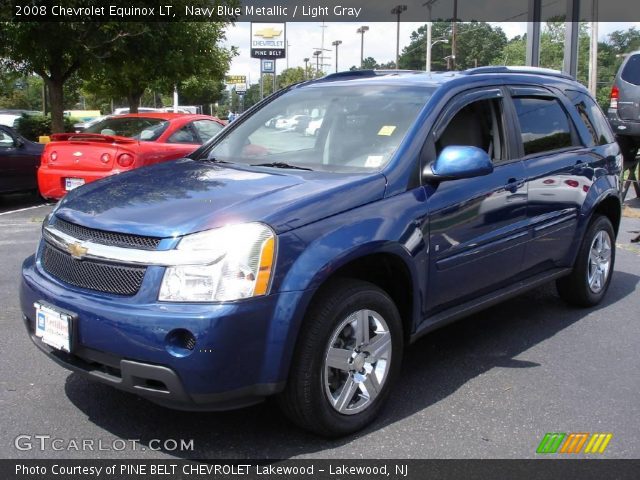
x: 478, y: 226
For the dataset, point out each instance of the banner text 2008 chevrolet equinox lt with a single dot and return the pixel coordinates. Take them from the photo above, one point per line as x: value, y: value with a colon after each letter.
x: 279, y: 262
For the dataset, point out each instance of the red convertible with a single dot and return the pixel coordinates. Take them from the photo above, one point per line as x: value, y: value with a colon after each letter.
x: 117, y: 144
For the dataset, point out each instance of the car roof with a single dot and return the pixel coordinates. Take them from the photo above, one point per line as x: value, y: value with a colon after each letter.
x: 436, y: 79
x: 163, y: 115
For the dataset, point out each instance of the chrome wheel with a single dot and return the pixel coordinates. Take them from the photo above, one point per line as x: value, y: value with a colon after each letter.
x: 599, y: 261
x: 357, y: 361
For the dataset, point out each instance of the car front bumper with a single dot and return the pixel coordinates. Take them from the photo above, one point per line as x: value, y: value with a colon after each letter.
x: 241, y: 354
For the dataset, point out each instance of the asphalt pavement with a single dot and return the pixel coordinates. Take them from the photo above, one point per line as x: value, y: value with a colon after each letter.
x: 489, y: 386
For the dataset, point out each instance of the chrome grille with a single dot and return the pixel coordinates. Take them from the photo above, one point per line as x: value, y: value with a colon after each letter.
x: 114, y: 239
x: 92, y: 275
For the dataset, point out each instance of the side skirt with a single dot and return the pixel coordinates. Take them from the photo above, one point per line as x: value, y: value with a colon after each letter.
x: 460, y: 311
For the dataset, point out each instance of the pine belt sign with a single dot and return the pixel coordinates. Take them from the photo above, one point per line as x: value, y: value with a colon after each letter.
x: 268, y: 40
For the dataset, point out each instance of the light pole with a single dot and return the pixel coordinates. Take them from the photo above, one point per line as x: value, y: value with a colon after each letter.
x: 361, y: 31
x: 335, y: 44
x: 429, y: 4
x: 440, y: 40
x: 397, y: 11
x: 306, y: 68
x: 317, y: 54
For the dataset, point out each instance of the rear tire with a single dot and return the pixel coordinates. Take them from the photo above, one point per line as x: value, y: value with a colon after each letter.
x: 588, y: 282
x: 347, y: 358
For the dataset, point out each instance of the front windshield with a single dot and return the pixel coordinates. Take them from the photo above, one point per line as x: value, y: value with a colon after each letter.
x: 139, y: 128
x: 354, y: 128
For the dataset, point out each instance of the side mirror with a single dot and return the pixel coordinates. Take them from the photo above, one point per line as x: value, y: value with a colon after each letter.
x: 456, y: 162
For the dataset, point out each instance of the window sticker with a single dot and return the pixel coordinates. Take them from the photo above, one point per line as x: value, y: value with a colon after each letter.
x: 387, y: 130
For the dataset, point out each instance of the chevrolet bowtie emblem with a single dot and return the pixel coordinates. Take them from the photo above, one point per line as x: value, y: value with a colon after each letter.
x: 77, y: 251
x: 268, y: 32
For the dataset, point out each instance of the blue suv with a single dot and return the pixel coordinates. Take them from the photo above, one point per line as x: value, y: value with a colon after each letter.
x: 300, y: 262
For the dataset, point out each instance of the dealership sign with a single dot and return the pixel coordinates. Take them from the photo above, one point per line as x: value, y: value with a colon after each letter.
x: 268, y: 40
x: 235, y: 79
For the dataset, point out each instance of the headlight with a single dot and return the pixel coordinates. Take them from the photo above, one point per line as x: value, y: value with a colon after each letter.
x: 244, y: 261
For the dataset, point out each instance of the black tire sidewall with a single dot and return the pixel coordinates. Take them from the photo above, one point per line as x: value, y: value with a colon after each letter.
x: 325, y: 320
x: 600, y: 223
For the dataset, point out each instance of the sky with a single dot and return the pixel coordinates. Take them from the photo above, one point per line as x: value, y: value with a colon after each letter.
x: 379, y: 43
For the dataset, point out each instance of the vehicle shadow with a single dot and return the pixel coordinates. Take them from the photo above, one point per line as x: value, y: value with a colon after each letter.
x: 434, y: 368
x: 14, y: 201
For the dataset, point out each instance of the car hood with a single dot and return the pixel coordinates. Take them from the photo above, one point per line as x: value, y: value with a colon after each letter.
x: 186, y: 196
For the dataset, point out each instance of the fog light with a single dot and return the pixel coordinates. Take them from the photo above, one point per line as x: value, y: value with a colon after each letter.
x: 180, y: 342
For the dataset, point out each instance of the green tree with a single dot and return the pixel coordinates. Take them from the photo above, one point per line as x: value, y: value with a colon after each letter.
x: 477, y: 43
x: 55, y: 52
x: 368, y: 63
x: 198, y: 90
x: 161, y: 55
x: 290, y: 76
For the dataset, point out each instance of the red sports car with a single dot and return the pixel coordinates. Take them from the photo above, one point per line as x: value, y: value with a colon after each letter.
x: 117, y: 144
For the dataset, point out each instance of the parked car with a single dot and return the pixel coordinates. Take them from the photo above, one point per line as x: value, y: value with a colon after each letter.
x: 126, y: 110
x: 82, y: 126
x: 271, y: 123
x: 8, y: 118
x: 624, y: 109
x: 117, y: 144
x: 19, y: 160
x: 291, y: 123
x: 261, y: 267
x: 313, y: 126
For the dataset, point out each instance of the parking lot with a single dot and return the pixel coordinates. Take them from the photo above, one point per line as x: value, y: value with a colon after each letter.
x: 489, y: 386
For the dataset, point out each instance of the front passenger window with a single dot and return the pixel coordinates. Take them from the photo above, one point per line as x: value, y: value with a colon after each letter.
x: 478, y: 124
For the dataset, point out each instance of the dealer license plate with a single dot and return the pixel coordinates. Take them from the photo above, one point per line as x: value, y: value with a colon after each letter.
x: 53, y: 327
x: 71, y: 183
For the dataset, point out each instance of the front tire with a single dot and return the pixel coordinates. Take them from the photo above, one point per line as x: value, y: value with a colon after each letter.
x: 347, y: 358
x: 591, y: 275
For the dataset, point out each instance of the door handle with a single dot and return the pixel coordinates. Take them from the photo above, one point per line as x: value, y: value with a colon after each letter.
x: 513, y: 185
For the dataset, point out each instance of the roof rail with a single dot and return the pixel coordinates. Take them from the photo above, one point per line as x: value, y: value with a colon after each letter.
x: 352, y: 74
x: 517, y: 69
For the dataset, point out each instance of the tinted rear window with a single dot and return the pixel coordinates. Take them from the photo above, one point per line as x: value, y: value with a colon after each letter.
x: 543, y: 123
x: 140, y: 128
x: 592, y: 117
x: 631, y: 71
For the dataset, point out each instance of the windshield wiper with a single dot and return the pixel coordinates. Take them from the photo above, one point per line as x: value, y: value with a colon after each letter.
x: 280, y: 165
x: 212, y: 160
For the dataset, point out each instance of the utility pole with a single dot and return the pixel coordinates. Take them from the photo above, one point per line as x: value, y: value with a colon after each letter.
x: 397, y: 10
x: 361, y: 31
x: 429, y: 4
x: 593, y: 51
x: 336, y: 44
x: 306, y: 68
x: 287, y: 53
x: 454, y: 28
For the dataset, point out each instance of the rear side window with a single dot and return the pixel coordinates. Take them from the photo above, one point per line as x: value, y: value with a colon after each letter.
x: 207, y: 129
x: 592, y: 117
x: 631, y: 71
x: 543, y: 123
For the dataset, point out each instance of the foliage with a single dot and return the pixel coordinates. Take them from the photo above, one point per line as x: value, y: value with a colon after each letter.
x: 476, y: 43
x: 55, y: 54
x: 159, y: 56
x: 33, y: 126
x: 197, y: 90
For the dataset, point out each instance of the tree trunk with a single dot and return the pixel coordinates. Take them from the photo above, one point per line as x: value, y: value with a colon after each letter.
x: 56, y: 103
x: 134, y: 101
